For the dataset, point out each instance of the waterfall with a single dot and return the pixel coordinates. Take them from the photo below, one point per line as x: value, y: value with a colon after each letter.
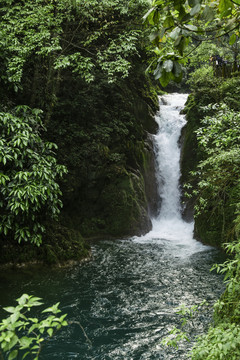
x: 168, y: 154
x: 169, y: 225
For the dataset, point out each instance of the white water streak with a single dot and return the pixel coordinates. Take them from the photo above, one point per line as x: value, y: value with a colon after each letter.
x: 169, y: 224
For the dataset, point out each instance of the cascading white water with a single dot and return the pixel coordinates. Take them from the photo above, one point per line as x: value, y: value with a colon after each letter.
x: 169, y: 225
x: 168, y: 154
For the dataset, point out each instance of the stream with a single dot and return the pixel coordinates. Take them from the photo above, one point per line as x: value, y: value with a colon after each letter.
x: 125, y: 297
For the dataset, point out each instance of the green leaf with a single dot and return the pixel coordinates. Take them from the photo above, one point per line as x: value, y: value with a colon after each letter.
x: 54, y: 309
x: 23, y: 299
x: 10, y: 309
x: 232, y: 39
x: 231, y: 24
x: 13, y: 342
x: 193, y: 3
x: 154, y: 35
x: 169, y: 21
x: 33, y: 301
x: 178, y: 40
x: 182, y: 45
x: 175, y: 33
x: 195, y: 10
x: 168, y: 65
x: 158, y: 71
x: 34, y: 320
x: 25, y: 342
x: 225, y: 7
x: 13, y: 354
x: 208, y: 14
x: 25, y: 355
x: 165, y: 78
x: 191, y: 27
x: 50, y: 331
x: 148, y: 13
x: 177, y: 69
x: 14, y: 317
x: 33, y: 327
x: 62, y: 317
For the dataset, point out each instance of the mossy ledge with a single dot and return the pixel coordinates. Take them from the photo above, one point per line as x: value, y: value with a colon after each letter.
x: 61, y: 246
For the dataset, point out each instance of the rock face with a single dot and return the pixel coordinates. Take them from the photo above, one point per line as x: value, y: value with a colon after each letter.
x: 150, y: 181
x: 190, y: 155
x: 102, y: 132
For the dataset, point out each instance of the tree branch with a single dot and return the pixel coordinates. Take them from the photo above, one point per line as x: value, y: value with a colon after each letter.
x: 78, y: 47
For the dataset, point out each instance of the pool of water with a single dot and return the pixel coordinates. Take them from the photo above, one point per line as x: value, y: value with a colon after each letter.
x: 125, y: 298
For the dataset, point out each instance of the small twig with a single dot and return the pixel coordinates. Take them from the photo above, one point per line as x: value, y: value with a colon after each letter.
x: 70, y: 42
x: 84, y: 333
x: 234, y: 2
x: 78, y: 47
x: 1, y: 355
x: 193, y: 49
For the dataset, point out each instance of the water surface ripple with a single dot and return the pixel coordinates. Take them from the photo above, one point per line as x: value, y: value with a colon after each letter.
x: 125, y: 299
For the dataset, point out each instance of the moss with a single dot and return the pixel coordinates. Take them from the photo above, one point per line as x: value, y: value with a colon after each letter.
x: 215, y: 226
x: 190, y: 154
x: 102, y: 141
x: 124, y: 209
x: 59, y: 246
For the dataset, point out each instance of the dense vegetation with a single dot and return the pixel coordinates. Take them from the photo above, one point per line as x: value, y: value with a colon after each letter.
x: 179, y: 27
x: 73, y: 92
x: 213, y: 182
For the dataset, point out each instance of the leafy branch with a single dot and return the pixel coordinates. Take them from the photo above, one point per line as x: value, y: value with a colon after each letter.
x: 23, y: 335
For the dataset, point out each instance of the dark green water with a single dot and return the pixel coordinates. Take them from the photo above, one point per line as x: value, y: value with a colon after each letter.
x: 125, y: 297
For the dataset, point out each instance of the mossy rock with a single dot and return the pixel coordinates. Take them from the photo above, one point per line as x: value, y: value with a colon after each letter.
x: 124, y: 209
x: 60, y: 245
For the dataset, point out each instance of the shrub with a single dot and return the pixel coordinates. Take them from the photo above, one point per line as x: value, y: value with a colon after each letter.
x: 29, y: 193
x: 23, y: 335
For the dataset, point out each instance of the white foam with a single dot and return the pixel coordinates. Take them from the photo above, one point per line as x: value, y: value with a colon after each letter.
x: 169, y: 225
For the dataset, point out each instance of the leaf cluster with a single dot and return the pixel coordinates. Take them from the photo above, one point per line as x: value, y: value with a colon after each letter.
x: 222, y: 340
x: 82, y: 36
x: 218, y: 172
x: 22, y: 335
x: 29, y: 192
x: 188, y: 323
x: 176, y: 24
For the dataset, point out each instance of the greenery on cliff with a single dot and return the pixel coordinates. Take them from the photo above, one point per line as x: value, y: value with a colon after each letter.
x: 213, y: 130
x: 213, y: 135
x: 72, y: 83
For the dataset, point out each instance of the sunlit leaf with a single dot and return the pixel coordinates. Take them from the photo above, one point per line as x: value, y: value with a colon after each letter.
x: 195, y: 10
x: 13, y: 354
x: 232, y: 39
x: 168, y: 65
